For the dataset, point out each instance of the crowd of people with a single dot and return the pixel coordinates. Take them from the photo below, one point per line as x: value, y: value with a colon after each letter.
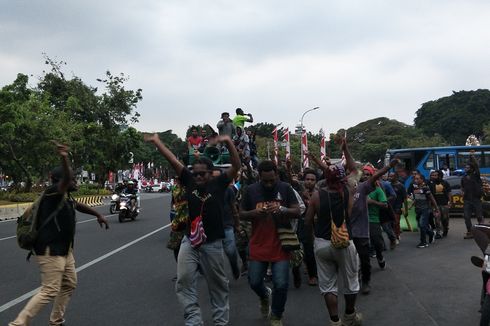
x: 266, y: 220
x: 271, y: 220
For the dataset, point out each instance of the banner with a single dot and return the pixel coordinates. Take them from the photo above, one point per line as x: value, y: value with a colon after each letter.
x: 285, y: 135
x: 304, y: 145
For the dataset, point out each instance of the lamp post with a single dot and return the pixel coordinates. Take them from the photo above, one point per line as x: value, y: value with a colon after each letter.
x: 301, y: 139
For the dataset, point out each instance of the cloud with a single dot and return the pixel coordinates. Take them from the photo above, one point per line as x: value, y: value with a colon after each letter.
x: 276, y: 59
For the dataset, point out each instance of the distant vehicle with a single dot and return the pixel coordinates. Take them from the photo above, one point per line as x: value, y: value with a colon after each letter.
x: 456, y: 198
x: 425, y: 159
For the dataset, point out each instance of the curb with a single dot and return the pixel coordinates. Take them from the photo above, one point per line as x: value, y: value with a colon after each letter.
x: 12, y: 211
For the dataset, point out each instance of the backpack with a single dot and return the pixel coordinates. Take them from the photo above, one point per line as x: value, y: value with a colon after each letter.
x: 27, y: 230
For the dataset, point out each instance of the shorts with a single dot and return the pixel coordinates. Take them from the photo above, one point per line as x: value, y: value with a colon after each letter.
x: 333, y: 263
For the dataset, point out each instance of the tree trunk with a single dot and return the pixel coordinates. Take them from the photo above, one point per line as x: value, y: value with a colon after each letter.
x: 23, y: 168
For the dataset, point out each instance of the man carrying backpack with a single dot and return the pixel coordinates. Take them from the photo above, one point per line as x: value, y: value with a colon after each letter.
x: 54, y: 244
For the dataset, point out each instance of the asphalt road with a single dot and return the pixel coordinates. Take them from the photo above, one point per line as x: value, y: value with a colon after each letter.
x: 125, y: 278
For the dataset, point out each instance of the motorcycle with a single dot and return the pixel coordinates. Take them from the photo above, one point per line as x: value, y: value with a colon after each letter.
x: 127, y: 207
x: 114, y: 205
x: 481, y: 234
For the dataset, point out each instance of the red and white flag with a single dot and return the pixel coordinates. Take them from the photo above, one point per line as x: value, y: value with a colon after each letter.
x: 276, y: 149
x: 304, y: 145
x: 285, y: 135
x: 322, y: 145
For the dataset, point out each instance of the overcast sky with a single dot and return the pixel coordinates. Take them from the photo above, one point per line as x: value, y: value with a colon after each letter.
x: 356, y: 60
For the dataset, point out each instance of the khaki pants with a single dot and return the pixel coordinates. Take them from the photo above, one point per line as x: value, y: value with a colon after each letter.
x: 58, y: 280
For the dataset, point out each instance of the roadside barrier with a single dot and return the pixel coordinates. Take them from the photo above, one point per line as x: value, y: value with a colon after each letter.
x: 12, y: 211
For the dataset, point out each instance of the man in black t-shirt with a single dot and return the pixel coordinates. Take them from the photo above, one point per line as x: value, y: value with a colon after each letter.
x: 54, y: 245
x: 202, y: 246
x: 441, y: 190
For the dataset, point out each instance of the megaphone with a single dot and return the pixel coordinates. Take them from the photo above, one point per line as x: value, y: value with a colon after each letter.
x: 213, y: 153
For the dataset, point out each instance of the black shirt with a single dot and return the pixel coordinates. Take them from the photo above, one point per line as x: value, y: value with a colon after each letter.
x: 332, y: 205
x: 211, y: 199
x: 59, y: 233
x: 229, y: 200
x: 401, y: 195
x: 440, y: 190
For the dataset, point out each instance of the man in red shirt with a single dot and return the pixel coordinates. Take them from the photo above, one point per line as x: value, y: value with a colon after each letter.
x: 266, y: 203
x: 194, y: 140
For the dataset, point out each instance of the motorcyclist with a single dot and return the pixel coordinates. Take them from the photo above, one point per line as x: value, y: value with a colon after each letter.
x: 131, y: 189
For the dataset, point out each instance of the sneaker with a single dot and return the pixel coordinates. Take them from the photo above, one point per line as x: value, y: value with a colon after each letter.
x: 296, y: 277
x: 393, y: 244
x: 477, y: 261
x: 423, y: 245
x: 312, y: 281
x: 382, y: 263
x: 432, y: 238
x: 397, y: 242
x: 444, y: 234
x: 468, y: 235
x: 366, y: 288
x: 275, y: 321
x: 354, y: 319
x: 335, y: 323
x: 265, y: 308
x: 438, y: 236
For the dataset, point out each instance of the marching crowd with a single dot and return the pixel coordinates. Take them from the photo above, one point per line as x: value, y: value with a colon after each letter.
x: 267, y: 221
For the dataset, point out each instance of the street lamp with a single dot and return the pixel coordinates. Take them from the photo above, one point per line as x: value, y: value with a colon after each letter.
x: 301, y: 139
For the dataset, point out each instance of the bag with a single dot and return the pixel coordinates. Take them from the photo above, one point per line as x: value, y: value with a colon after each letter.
x: 174, y: 240
x: 27, y: 230
x: 197, y: 235
x: 386, y: 214
x: 339, y: 237
x: 288, y: 238
x: 296, y: 257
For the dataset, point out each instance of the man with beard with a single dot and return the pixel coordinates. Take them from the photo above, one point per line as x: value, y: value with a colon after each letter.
x: 471, y: 186
x: 267, y: 204
x: 54, y: 244
x: 201, y: 249
x: 441, y: 190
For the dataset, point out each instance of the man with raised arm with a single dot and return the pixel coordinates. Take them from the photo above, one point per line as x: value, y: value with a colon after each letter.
x: 202, y: 247
x: 54, y: 245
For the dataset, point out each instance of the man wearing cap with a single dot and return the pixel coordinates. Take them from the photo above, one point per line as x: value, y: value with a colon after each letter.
x: 54, y: 245
x: 226, y: 126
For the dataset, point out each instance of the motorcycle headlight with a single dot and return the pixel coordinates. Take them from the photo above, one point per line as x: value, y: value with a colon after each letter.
x: 114, y: 197
x: 123, y: 204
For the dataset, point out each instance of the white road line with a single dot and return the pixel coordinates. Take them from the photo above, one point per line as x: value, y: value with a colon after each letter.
x: 84, y: 221
x: 29, y: 294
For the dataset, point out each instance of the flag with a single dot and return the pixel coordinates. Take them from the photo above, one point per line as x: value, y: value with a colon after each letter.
x: 276, y: 150
x: 322, y: 145
x: 285, y: 135
x: 304, y: 145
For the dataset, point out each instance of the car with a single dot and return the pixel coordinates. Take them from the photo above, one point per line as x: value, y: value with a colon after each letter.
x: 456, y: 198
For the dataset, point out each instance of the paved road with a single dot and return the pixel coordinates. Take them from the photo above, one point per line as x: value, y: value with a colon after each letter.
x: 132, y: 282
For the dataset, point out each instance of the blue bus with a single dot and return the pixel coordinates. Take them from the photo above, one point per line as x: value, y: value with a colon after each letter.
x: 425, y: 159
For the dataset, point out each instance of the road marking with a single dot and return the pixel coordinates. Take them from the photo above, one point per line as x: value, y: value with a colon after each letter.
x: 29, y: 294
x: 84, y: 221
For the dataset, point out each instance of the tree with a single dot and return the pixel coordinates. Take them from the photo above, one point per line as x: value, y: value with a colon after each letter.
x: 455, y: 117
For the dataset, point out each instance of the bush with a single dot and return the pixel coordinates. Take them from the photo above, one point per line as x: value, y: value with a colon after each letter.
x: 23, y: 197
x: 88, y: 189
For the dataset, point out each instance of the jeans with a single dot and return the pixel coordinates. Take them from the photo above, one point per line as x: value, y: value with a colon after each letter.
x: 208, y: 259
x: 388, y: 228
x: 280, y: 281
x: 423, y: 216
x: 231, y: 252
x: 472, y: 206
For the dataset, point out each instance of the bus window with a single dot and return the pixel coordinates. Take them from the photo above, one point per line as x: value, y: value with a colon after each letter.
x: 448, y: 160
x: 485, y: 161
x: 429, y: 164
x: 463, y: 158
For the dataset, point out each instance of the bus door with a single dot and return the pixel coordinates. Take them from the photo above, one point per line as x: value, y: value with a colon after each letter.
x: 426, y: 163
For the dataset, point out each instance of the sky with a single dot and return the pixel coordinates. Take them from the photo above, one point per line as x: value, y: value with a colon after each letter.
x: 356, y: 60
